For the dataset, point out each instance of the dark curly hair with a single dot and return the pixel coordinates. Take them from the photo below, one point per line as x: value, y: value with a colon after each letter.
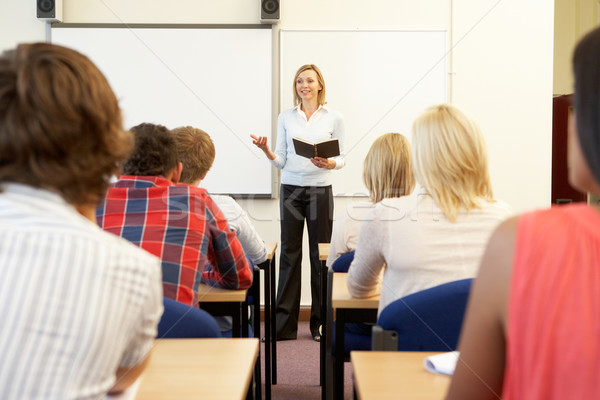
x: 155, y: 151
x: 60, y: 123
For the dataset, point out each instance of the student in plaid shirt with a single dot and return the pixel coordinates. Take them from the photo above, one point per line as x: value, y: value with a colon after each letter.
x: 176, y: 222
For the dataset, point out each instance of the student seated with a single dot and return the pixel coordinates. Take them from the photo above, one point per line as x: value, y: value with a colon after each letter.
x: 531, y: 329
x: 79, y: 307
x: 196, y: 152
x: 438, y: 235
x: 179, y: 223
x: 387, y: 173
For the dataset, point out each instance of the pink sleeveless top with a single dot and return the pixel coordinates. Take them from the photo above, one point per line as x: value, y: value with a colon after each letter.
x: 553, y: 345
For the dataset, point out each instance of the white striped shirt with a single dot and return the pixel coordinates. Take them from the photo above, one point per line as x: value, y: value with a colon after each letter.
x: 76, y: 303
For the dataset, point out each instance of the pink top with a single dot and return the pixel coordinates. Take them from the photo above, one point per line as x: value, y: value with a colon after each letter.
x: 553, y: 347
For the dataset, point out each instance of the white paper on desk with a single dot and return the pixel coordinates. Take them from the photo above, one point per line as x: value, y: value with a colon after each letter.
x: 442, y: 363
x: 127, y: 394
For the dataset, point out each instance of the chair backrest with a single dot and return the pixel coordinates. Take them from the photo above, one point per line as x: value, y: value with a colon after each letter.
x: 429, y: 320
x: 182, y: 321
x: 342, y: 263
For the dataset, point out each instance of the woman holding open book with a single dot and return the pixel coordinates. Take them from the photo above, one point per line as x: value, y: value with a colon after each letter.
x: 306, y: 193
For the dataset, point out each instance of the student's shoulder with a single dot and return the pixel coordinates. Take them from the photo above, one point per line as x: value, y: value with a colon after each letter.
x: 391, y: 209
x: 224, y: 200
x: 187, y: 190
x: 121, y: 252
x: 499, y: 208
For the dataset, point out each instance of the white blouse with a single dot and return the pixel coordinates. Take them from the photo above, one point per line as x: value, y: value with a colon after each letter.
x: 323, y: 124
x: 420, y: 246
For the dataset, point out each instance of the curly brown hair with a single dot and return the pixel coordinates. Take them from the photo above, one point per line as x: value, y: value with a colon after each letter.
x: 60, y: 123
x: 154, y: 153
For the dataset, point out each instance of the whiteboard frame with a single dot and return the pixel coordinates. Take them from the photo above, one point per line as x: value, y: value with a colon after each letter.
x: 251, y: 156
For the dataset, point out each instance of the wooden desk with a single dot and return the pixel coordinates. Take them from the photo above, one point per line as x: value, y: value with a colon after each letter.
x: 347, y: 309
x: 199, y: 368
x: 270, y: 318
x: 324, y: 251
x: 226, y: 302
x: 341, y: 298
x: 396, y: 375
x: 323, y: 255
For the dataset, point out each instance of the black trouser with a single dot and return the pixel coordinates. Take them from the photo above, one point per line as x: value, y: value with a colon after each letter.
x: 315, y: 205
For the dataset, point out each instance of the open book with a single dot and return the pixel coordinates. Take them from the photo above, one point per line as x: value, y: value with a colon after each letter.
x: 325, y: 148
x: 443, y: 363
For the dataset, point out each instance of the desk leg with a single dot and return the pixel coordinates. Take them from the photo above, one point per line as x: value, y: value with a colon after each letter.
x: 266, y: 267
x: 244, y: 318
x: 338, y: 386
x: 256, y: 329
x: 327, y: 339
x: 236, y: 324
x: 273, y: 322
x: 324, y: 307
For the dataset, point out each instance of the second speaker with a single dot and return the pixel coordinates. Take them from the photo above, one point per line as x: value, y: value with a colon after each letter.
x: 269, y: 11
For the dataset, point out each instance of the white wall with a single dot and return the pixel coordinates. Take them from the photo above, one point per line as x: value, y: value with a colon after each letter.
x: 501, y: 65
x: 574, y: 18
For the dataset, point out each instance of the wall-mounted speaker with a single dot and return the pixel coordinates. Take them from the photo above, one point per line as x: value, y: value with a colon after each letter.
x: 49, y: 10
x: 269, y: 11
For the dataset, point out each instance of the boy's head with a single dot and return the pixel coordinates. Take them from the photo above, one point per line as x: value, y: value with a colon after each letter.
x: 60, y: 123
x: 196, y: 151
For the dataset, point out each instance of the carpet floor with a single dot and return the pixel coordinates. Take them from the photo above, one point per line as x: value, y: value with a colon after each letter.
x: 298, y: 369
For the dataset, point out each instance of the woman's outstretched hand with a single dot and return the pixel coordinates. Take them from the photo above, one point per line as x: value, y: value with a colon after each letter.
x: 261, y: 143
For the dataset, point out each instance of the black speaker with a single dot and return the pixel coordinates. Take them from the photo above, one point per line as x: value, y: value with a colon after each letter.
x: 269, y: 11
x: 50, y: 10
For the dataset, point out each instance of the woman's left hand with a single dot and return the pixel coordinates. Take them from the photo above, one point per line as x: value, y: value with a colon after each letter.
x: 321, y: 162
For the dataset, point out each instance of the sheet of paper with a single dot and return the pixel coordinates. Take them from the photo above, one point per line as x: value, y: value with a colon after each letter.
x: 442, y: 363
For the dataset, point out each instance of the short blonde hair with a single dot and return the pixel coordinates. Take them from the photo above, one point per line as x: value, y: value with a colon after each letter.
x: 196, y: 152
x: 321, y: 95
x: 387, y: 170
x: 450, y: 159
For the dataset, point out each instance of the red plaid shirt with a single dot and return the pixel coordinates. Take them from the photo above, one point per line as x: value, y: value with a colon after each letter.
x: 182, y: 226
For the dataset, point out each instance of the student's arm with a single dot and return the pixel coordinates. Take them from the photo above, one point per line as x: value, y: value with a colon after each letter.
x: 479, y: 372
x: 363, y: 275
x: 231, y: 269
x: 127, y: 376
x: 238, y: 220
x: 338, y: 245
x: 136, y: 356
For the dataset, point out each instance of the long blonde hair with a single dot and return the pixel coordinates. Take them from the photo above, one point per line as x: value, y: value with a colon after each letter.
x: 450, y: 159
x: 387, y: 170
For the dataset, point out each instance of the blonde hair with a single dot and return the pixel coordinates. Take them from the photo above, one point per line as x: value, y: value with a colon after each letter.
x: 450, y: 159
x: 196, y: 152
x: 387, y: 170
x: 321, y: 95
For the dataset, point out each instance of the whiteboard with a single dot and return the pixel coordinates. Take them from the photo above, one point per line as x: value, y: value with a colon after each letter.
x: 379, y: 80
x: 215, y: 79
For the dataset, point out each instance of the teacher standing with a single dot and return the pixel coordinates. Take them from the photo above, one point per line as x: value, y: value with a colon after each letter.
x: 306, y: 194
